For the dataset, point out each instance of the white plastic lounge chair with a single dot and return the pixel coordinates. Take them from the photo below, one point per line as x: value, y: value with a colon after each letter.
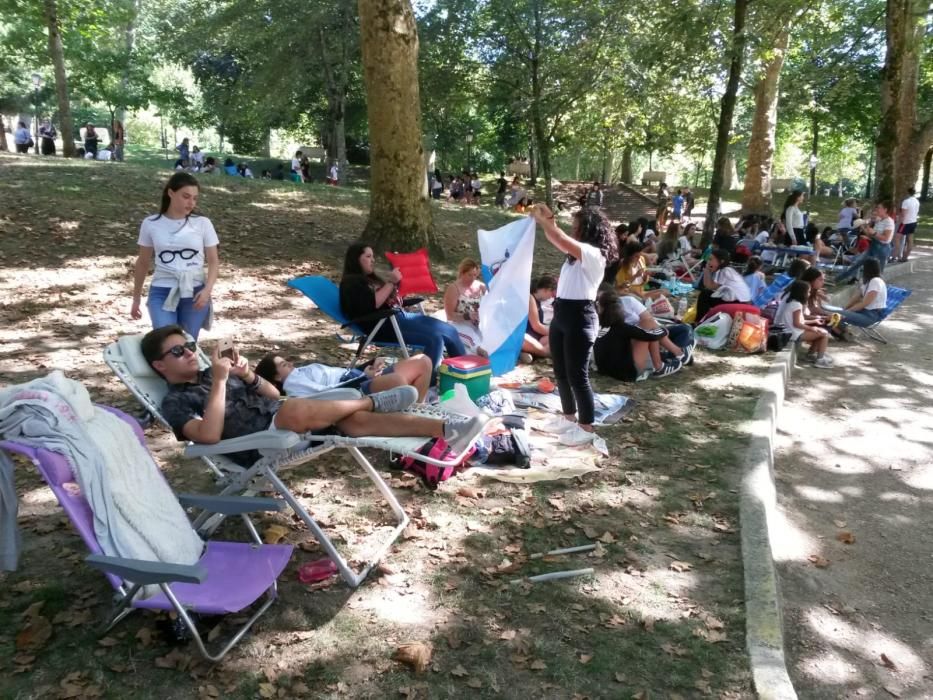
x: 281, y: 449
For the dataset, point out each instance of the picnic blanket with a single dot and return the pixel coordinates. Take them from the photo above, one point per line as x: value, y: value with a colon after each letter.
x: 610, y: 408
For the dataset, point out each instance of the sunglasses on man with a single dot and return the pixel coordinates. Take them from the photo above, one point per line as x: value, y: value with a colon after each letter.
x: 179, y: 350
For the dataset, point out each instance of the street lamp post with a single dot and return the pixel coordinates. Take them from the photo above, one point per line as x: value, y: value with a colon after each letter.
x: 813, y: 163
x: 36, y: 84
x: 469, y: 142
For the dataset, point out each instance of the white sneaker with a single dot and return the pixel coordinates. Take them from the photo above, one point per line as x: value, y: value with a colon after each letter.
x: 557, y: 425
x: 577, y: 436
x: 823, y: 363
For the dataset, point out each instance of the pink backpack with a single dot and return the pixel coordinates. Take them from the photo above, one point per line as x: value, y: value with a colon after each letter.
x: 432, y: 474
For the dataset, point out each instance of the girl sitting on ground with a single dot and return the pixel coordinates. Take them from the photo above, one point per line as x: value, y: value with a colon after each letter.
x: 754, y: 277
x: 630, y: 340
x: 867, y: 305
x: 536, y: 343
x: 461, y: 303
x: 308, y: 380
x: 633, y: 271
x: 669, y: 247
x: 790, y: 315
x: 817, y: 281
x: 721, y: 284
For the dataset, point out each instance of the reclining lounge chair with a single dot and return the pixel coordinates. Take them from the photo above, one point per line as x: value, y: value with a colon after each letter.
x: 228, y: 578
x: 281, y: 449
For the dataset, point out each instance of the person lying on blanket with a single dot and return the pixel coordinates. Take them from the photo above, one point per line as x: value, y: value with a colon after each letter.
x: 229, y: 400
x: 308, y: 380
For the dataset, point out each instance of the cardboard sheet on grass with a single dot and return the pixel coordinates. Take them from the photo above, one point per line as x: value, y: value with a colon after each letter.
x: 551, y: 461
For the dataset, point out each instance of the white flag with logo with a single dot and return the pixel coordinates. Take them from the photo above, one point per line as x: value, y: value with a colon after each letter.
x: 506, y: 255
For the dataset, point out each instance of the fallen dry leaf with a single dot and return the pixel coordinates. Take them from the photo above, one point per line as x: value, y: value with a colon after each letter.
x: 508, y: 635
x: 607, y: 538
x: 266, y: 690
x: 537, y: 665
x: 34, y: 635
x: 839, y: 523
x: 585, y: 658
x: 468, y: 492
x: 818, y: 561
x: 414, y: 654
x: 680, y: 566
x: 887, y: 663
x: 459, y: 671
x: 846, y: 537
x: 475, y: 683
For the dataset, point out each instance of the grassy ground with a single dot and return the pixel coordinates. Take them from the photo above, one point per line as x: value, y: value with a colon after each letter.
x: 662, y: 616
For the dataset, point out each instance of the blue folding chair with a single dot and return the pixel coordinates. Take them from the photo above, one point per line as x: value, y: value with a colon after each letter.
x: 896, y: 297
x: 326, y: 296
x: 769, y: 293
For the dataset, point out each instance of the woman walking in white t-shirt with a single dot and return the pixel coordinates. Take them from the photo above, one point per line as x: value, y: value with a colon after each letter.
x: 180, y: 242
x: 793, y: 217
x: 572, y: 333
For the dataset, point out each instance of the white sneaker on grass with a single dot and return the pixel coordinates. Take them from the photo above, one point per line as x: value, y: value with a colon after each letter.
x: 557, y: 425
x: 576, y: 436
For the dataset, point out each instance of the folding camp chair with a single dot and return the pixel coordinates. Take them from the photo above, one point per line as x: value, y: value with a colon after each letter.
x: 281, y: 449
x: 769, y: 293
x: 896, y: 297
x: 690, y: 274
x: 229, y: 577
x: 326, y: 297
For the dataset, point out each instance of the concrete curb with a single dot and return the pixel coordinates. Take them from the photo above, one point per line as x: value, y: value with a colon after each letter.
x: 764, y: 636
x: 840, y: 296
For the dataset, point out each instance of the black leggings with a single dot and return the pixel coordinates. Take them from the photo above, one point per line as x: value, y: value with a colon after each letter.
x: 572, y: 334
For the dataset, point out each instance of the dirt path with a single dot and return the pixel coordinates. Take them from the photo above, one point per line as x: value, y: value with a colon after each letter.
x: 855, y: 483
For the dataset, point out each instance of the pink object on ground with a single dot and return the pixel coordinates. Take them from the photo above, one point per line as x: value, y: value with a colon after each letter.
x: 315, y: 571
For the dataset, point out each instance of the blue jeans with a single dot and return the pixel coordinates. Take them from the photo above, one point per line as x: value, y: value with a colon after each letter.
x: 681, y: 334
x: 433, y: 335
x: 880, y: 251
x: 863, y: 318
x: 184, y: 315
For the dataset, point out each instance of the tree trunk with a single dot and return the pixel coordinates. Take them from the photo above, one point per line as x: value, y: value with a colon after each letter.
x: 924, y: 186
x: 335, y: 60
x: 576, y: 173
x: 399, y: 214
x: 726, y: 114
x: 627, y: 165
x: 57, y: 54
x: 814, y: 151
x: 532, y: 160
x: 130, y: 34
x: 607, y: 160
x: 732, y: 181
x: 756, y: 195
x: 3, y: 144
x: 265, y: 147
x: 537, y: 119
x: 899, y: 33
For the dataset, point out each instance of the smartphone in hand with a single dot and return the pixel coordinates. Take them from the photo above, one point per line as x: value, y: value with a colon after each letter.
x: 227, y: 348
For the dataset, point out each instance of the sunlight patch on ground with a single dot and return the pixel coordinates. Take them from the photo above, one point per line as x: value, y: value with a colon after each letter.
x: 920, y: 478
x: 812, y: 493
x: 867, y: 644
x: 788, y: 541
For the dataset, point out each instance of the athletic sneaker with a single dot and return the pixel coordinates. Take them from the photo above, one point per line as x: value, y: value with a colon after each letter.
x: 459, y: 435
x: 824, y: 362
x: 644, y: 374
x: 557, y: 425
x: 576, y: 436
x: 394, y: 400
x: 687, y: 358
x: 525, y: 358
x: 668, y: 368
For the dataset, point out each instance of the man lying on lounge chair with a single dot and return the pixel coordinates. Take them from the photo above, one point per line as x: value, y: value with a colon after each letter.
x: 230, y: 400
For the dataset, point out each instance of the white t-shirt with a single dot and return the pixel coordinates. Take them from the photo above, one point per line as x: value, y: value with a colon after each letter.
x: 296, y: 165
x: 793, y: 218
x: 846, y: 217
x: 198, y: 158
x: 632, y: 309
x: 884, y: 229
x: 311, y: 379
x: 171, y: 239
x: 685, y: 246
x: 762, y: 237
x: 785, y: 317
x: 731, y: 279
x: 581, y: 280
x: 911, y: 208
x: 881, y: 298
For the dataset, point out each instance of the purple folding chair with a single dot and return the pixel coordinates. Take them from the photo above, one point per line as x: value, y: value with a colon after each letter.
x: 229, y: 577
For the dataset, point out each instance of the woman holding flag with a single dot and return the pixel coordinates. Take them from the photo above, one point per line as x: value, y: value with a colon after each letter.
x: 591, y: 246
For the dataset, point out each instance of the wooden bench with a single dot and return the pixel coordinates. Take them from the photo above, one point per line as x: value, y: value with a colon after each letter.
x: 650, y: 176
x: 781, y: 184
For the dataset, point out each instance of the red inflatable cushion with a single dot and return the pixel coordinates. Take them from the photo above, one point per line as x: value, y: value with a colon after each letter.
x: 416, y: 272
